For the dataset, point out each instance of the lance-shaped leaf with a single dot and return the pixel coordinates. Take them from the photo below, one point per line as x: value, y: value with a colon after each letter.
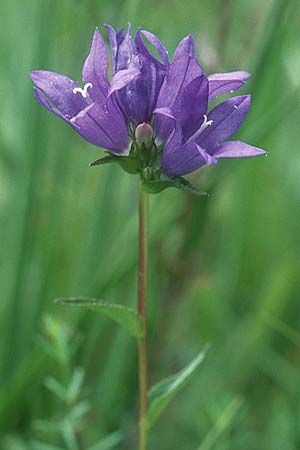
x: 221, y: 424
x: 127, y: 317
x: 155, y: 186
x: 109, y: 442
x: 163, y: 392
x: 129, y: 164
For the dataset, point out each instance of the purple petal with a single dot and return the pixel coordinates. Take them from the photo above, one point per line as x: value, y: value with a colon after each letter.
x: 59, y: 89
x: 134, y: 98
x: 156, y: 44
x: 227, y: 118
x: 236, y: 149
x: 185, y: 47
x: 127, y: 55
x: 103, y: 126
x: 178, y: 158
x: 185, y: 159
x: 224, y: 82
x: 181, y: 72
x: 114, y: 38
x: 42, y: 99
x: 122, y: 78
x: 138, y: 98
x: 175, y: 134
x: 120, y: 35
x: 95, y: 69
x: 193, y: 105
x: 165, y: 111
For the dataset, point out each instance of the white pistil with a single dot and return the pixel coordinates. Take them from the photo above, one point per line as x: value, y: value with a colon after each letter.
x: 206, y: 123
x: 83, y: 91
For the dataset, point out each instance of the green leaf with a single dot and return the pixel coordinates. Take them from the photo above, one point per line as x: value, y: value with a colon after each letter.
x: 129, y: 164
x: 105, y: 160
x: 156, y: 186
x: 79, y: 411
x: 56, y: 388
x: 127, y: 317
x: 108, y: 442
x: 163, y: 392
x: 221, y: 424
x: 75, y: 386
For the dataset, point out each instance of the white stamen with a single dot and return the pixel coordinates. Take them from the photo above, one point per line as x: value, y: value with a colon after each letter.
x: 83, y: 91
x: 206, y: 123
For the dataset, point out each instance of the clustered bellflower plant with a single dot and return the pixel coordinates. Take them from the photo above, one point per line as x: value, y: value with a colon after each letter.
x: 152, y: 117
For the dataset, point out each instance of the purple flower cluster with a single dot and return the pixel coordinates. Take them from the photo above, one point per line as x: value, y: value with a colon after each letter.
x: 151, y: 105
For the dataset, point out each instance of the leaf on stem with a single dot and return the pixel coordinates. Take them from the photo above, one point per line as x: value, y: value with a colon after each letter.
x: 156, y: 186
x: 129, y: 164
x: 127, y: 317
x: 163, y: 392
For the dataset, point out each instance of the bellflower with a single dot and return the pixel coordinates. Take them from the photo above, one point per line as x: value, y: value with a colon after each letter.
x: 153, y: 115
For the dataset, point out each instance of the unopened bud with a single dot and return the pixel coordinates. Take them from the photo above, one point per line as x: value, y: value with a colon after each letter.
x: 144, y: 134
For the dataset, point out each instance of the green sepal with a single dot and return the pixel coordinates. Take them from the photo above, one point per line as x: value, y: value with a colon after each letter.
x: 156, y: 186
x: 127, y: 317
x: 162, y: 393
x: 129, y: 164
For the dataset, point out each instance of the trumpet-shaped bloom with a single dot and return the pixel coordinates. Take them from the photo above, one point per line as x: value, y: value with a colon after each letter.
x: 90, y: 110
x: 144, y: 90
x: 138, y: 98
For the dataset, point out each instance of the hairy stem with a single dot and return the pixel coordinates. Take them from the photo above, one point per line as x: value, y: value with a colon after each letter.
x: 142, y: 297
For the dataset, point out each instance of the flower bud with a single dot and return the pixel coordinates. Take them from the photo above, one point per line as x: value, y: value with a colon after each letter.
x: 144, y: 134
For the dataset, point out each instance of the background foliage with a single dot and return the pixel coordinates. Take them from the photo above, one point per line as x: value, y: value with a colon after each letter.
x: 224, y: 269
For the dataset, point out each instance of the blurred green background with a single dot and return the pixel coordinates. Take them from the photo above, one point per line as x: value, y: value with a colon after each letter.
x: 223, y: 269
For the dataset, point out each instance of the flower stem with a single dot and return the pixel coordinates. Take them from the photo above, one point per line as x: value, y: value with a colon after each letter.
x: 142, y: 296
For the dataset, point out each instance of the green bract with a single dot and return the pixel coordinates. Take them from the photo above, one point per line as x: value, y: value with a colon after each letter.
x: 145, y: 161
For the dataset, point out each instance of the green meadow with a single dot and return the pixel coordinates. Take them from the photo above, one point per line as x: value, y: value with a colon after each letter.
x: 224, y: 268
